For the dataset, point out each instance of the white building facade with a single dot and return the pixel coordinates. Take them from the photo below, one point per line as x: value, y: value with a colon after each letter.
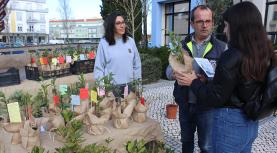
x: 26, y: 22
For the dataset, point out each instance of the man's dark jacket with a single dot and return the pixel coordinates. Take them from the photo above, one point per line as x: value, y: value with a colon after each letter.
x: 216, y: 48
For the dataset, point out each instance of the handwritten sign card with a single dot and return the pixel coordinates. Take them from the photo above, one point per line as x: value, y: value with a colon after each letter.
x: 63, y: 89
x: 83, y: 93
x: 93, y: 96
x: 14, y: 112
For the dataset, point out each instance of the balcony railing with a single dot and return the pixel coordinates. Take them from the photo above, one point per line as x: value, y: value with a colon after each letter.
x: 35, y: 21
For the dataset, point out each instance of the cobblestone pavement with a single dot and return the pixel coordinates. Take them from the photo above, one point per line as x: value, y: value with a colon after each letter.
x: 160, y: 94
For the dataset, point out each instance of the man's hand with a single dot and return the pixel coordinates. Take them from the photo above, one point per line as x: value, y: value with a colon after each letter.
x: 185, y: 79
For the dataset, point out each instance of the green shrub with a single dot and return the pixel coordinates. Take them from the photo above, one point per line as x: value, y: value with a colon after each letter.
x: 151, y: 68
x: 162, y: 53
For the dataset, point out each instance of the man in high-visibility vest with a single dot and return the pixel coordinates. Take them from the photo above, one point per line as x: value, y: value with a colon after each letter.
x: 201, y: 44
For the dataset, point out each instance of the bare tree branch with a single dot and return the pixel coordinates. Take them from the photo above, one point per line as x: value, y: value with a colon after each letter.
x: 65, y: 12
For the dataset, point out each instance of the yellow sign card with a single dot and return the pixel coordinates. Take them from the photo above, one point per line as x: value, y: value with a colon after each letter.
x: 14, y: 112
x: 93, y: 96
x: 54, y: 61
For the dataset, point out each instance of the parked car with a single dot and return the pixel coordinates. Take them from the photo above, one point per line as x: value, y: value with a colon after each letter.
x: 30, y: 44
x: 17, y: 44
x: 3, y: 45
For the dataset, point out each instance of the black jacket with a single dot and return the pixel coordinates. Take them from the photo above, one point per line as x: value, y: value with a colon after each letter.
x: 228, y: 88
x: 180, y: 93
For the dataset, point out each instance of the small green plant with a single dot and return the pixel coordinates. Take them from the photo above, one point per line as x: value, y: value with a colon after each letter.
x: 140, y: 146
x: 3, y: 104
x: 94, y: 148
x: 37, y: 149
x: 17, y: 97
x: 82, y: 81
x: 54, y: 87
x: 44, y: 90
x: 136, y: 146
x: 27, y: 102
x: 67, y: 115
x: 72, y: 134
x: 175, y: 46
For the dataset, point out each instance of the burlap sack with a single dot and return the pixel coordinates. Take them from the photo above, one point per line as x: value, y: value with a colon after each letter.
x: 94, y: 120
x: 130, y: 107
x: 14, y: 128
x: 96, y: 129
x: 30, y: 136
x: 83, y: 108
x: 139, y: 114
x: 53, y: 109
x: 178, y: 66
x: 131, y: 96
x: 120, y: 120
x: 55, y: 122
x: 106, y: 113
x: 2, y: 147
x: 139, y: 117
x: 106, y: 103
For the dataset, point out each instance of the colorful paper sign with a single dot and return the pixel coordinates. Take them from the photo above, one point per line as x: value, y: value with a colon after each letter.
x: 125, y: 93
x: 68, y: 59
x: 33, y: 60
x: 93, y: 96
x: 14, y: 112
x: 142, y: 101
x: 63, y: 89
x: 54, y: 61
x: 75, y: 100
x: 56, y: 100
x: 75, y: 57
x: 101, y: 91
x: 91, y: 55
x: 82, y: 57
x: 83, y: 93
x: 43, y: 60
x: 61, y: 60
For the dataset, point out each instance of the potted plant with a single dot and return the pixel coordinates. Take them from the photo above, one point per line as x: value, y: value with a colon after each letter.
x: 177, y: 55
x: 171, y: 111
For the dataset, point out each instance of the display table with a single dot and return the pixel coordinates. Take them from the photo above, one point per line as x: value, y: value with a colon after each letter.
x: 149, y: 130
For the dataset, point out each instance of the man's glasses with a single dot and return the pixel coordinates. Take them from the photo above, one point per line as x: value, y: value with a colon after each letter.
x: 202, y: 22
x: 119, y: 23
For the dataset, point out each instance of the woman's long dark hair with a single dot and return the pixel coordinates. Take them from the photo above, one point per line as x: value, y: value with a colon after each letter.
x: 248, y: 35
x: 109, y: 25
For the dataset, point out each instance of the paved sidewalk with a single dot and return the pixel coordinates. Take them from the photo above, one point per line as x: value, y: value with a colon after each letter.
x: 159, y: 94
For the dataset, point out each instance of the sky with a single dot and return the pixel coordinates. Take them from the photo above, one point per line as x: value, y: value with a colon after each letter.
x: 80, y: 9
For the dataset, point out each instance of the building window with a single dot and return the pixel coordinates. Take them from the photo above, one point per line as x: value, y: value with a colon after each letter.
x: 176, y: 19
x: 29, y: 16
x: 271, y: 20
x: 42, y: 17
x: 31, y: 28
x: 18, y: 16
x: 275, y: 15
x: 19, y: 28
x: 42, y: 28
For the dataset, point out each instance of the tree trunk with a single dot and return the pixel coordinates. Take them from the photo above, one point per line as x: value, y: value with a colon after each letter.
x: 144, y: 15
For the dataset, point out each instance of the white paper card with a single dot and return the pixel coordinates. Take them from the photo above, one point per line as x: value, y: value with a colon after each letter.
x: 206, y: 66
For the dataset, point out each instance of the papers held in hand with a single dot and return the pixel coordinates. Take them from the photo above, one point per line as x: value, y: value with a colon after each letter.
x: 206, y: 66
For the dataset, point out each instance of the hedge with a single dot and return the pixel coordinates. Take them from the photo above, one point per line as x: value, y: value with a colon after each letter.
x: 162, y: 53
x: 151, y: 68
